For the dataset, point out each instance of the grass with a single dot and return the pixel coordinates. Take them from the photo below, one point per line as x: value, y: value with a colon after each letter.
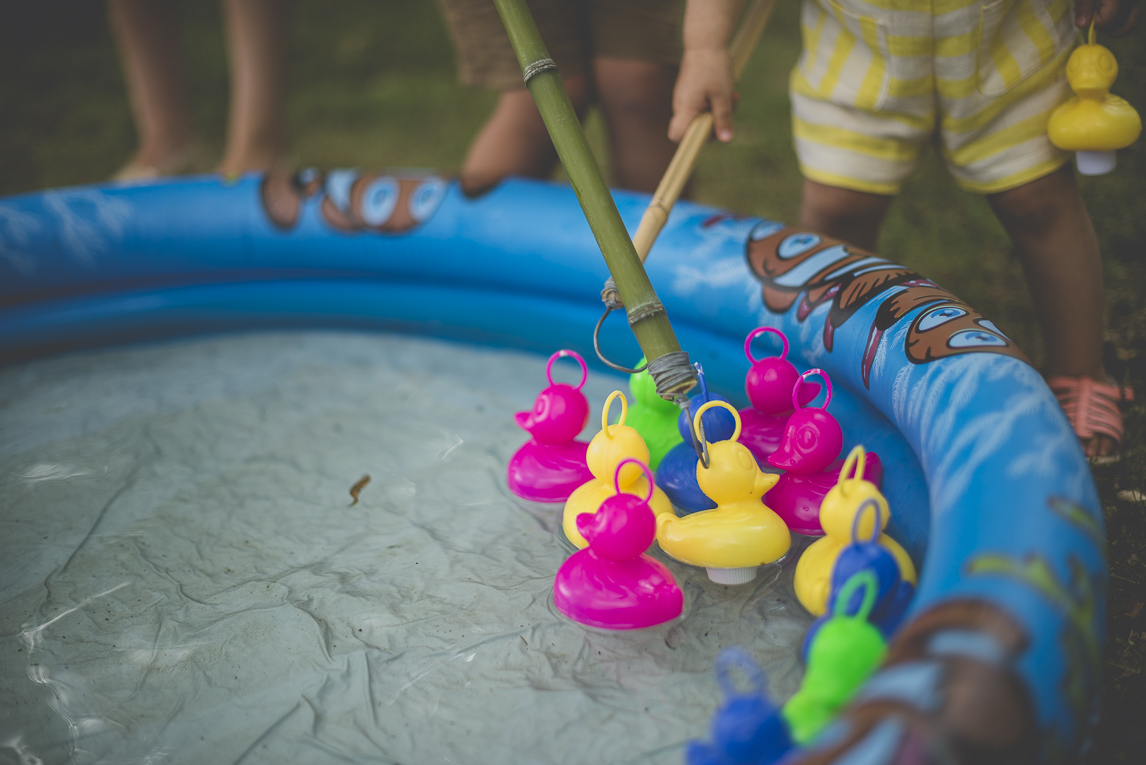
x: 372, y: 84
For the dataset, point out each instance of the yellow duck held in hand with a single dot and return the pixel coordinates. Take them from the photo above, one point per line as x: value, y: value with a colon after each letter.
x: 741, y: 532
x: 1093, y: 123
x: 612, y: 445
x: 838, y: 515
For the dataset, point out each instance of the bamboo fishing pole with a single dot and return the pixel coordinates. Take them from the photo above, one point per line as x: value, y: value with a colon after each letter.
x: 696, y: 135
x: 668, y: 365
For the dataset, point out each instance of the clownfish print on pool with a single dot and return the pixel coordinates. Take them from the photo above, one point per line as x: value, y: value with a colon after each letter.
x: 353, y: 200
x: 808, y: 270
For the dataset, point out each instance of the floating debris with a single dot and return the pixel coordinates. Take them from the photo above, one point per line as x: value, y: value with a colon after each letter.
x: 357, y: 488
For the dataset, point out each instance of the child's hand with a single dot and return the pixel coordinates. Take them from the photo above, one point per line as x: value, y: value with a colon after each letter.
x: 704, y: 83
x: 1115, y: 17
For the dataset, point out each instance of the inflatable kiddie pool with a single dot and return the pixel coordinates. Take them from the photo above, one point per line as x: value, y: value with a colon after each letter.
x: 999, y: 658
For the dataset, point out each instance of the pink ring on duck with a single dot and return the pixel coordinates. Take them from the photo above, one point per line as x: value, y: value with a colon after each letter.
x: 552, y: 464
x: 809, y: 452
x: 573, y: 355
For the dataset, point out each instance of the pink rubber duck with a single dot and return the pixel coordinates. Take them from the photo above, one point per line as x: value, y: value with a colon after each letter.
x: 550, y: 466
x: 769, y: 386
x: 612, y: 584
x: 808, y: 452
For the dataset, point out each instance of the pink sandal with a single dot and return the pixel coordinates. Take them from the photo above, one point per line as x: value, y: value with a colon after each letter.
x: 1091, y: 407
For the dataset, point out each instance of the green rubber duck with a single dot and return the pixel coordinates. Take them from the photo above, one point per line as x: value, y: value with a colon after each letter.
x: 653, y: 417
x: 845, y: 651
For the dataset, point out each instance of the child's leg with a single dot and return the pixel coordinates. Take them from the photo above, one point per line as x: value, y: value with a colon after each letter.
x: 148, y: 41
x: 256, y: 43
x: 636, y: 99
x: 853, y: 216
x: 1053, y: 235
x: 514, y: 141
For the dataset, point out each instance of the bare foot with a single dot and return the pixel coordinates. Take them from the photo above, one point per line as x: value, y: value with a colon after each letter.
x: 158, y: 162
x: 269, y: 154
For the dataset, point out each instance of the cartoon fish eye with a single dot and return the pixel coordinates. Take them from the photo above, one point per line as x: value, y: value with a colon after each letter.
x: 763, y: 230
x: 338, y: 184
x: 938, y: 316
x: 379, y: 201
x: 975, y: 338
x: 797, y: 244
x: 990, y: 325
x: 425, y: 198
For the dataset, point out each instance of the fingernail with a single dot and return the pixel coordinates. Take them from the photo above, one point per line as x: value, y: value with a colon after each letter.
x: 725, y: 135
x: 1080, y: 20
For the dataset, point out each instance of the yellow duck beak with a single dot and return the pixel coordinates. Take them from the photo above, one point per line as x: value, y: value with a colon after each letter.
x: 764, y: 483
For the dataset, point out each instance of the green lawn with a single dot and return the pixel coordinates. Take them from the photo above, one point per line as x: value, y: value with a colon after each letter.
x: 372, y: 84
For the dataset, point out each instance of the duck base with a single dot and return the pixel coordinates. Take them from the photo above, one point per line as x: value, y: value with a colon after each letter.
x: 731, y: 575
x: 1095, y: 162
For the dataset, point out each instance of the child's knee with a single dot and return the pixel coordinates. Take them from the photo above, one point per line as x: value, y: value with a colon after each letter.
x: 577, y: 87
x: 635, y: 87
x: 842, y: 206
x: 1039, y: 203
x: 853, y: 216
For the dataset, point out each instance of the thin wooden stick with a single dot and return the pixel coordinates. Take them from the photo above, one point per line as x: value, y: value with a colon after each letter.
x: 684, y: 160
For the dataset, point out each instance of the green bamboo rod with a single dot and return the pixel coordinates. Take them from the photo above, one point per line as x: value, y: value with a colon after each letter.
x: 647, y: 317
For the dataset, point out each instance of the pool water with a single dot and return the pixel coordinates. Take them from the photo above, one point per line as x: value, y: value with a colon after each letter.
x: 183, y: 577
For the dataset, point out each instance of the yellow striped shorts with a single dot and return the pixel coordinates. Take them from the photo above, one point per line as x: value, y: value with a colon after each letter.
x: 877, y: 79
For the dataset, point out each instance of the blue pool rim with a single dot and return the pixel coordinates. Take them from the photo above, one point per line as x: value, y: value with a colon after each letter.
x: 983, y: 471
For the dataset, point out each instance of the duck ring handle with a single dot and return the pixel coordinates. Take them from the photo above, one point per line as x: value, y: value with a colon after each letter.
x: 698, y: 429
x: 649, y: 477
x: 576, y: 357
x: 796, y: 389
x: 736, y: 658
x: 760, y: 331
x: 878, y: 526
x: 864, y: 578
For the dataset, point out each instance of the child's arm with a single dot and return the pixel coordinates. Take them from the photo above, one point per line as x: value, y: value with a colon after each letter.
x: 1115, y: 17
x: 705, y: 79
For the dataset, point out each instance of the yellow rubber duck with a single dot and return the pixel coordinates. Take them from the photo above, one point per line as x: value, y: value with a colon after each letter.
x: 609, y: 448
x: 741, y: 533
x: 838, y: 517
x: 1093, y: 123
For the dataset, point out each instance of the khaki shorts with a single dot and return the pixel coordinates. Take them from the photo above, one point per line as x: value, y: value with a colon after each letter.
x: 574, y: 31
x: 878, y: 80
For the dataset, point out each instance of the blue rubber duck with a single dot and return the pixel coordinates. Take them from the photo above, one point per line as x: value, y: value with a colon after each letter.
x: 748, y: 729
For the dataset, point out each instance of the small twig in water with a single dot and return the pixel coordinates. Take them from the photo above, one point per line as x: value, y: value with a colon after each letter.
x: 357, y: 488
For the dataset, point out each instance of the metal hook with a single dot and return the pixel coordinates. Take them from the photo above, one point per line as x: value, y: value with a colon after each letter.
x: 601, y: 356
x: 698, y: 441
